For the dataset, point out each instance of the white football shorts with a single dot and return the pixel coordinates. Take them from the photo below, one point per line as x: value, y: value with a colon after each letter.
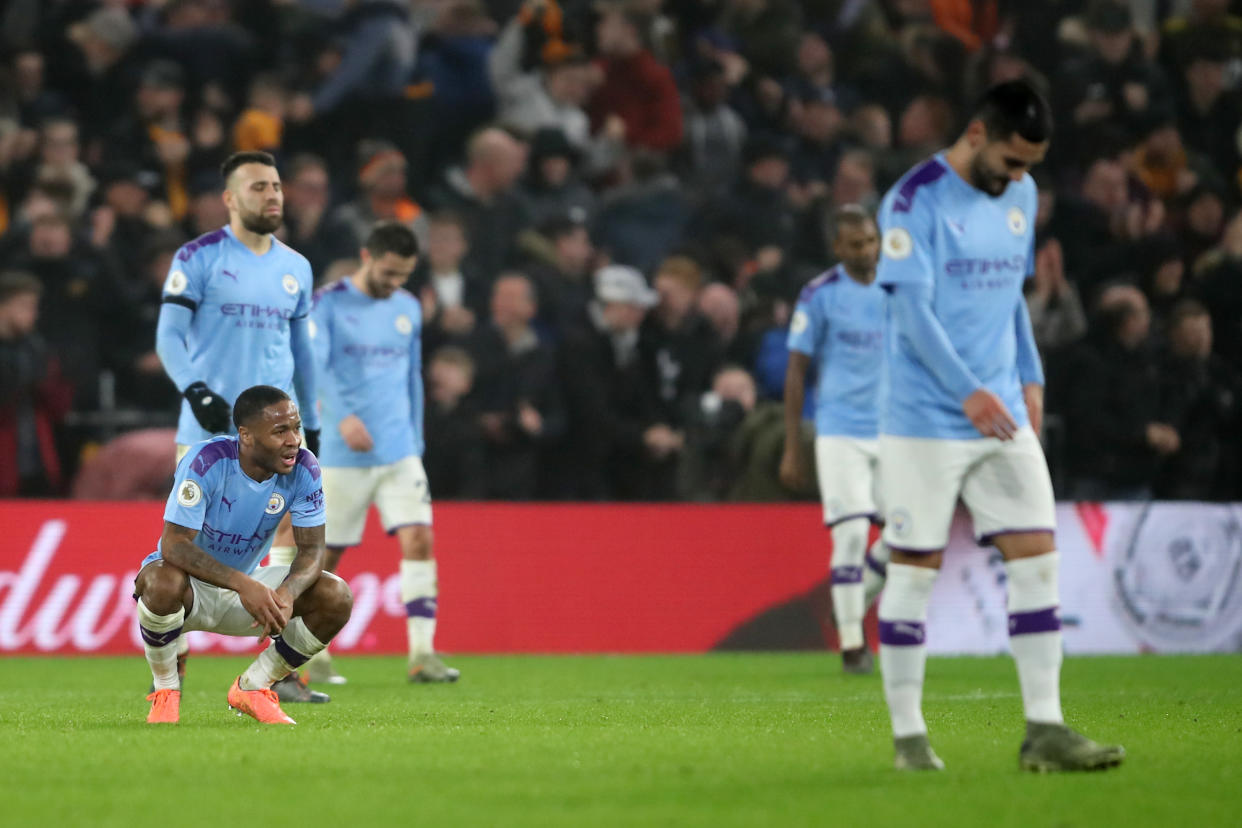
x: 1004, y: 484
x: 399, y: 490
x: 220, y: 610
x: 848, y: 473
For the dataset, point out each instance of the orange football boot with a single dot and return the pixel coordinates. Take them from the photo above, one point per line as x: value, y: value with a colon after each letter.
x: 165, y: 707
x: 261, y: 704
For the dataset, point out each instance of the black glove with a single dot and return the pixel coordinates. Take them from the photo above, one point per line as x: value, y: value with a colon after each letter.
x: 210, y: 409
x: 312, y: 440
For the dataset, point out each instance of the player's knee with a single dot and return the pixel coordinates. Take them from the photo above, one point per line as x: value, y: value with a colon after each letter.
x: 417, y: 544
x: 333, y: 596
x: 162, y: 587
x: 925, y: 560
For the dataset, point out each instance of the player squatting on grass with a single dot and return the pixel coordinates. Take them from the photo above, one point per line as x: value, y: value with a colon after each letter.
x: 962, y: 403
x: 229, y: 494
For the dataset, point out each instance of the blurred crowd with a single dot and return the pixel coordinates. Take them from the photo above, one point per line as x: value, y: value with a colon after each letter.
x: 618, y: 203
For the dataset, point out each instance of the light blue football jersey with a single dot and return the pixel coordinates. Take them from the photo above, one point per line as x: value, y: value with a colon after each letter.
x: 242, y: 306
x: 839, y: 323
x: 235, y: 515
x: 974, y: 251
x: 369, y: 362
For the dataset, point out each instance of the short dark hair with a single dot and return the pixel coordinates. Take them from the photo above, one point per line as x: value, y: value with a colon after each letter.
x: 251, y: 402
x: 248, y: 157
x: 391, y: 237
x: 1015, y: 106
x: 854, y: 215
x: 17, y: 283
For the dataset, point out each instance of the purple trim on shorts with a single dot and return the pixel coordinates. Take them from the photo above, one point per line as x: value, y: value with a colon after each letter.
x: 871, y: 516
x: 846, y: 575
x: 291, y: 656
x: 394, y: 529
x: 1038, y: 621
x: 159, y: 639
x: 421, y: 608
x: 875, y: 566
x: 903, y: 633
x: 986, y: 540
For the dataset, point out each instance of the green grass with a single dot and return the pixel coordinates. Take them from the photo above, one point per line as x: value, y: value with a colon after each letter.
x: 715, y: 740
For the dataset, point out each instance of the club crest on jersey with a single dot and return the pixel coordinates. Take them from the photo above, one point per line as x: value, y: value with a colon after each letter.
x: 404, y: 325
x: 177, y: 283
x: 189, y: 494
x: 290, y: 284
x: 1016, y: 221
x: 799, y: 322
x: 275, y: 503
x: 897, y: 243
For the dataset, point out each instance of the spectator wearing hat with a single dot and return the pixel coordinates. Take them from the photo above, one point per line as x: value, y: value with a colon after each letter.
x: 552, y: 186
x: 1209, y: 113
x: 1207, y: 27
x: 100, y: 74
x: 1201, y: 397
x: 637, y: 90
x: 714, y: 132
x: 517, y: 390
x: 613, y: 431
x: 33, y: 397
x: 382, y: 196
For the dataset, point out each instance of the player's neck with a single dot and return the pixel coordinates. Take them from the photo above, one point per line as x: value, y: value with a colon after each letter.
x: 959, y: 157
x: 359, y: 280
x: 257, y: 243
x: 253, y: 470
x: 864, y: 278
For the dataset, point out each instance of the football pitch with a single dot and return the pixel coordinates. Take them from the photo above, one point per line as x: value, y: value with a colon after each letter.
x: 717, y: 740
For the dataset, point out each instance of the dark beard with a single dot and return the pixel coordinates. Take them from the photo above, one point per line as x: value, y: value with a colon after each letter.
x: 261, y: 223
x: 986, y: 181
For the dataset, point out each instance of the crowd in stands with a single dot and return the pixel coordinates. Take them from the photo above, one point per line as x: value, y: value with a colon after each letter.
x: 618, y: 202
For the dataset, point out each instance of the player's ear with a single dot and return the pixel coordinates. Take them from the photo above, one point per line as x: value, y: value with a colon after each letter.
x: 245, y: 436
x: 976, y: 134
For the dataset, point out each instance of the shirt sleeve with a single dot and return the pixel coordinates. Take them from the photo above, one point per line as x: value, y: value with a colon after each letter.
x: 918, y: 326
x: 183, y: 291
x: 806, y: 328
x: 307, y: 507
x: 907, y: 251
x: 1030, y: 367
x: 187, y: 503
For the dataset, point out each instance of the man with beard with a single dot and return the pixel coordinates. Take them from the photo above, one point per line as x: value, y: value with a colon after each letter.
x: 961, y: 403
x: 235, y: 313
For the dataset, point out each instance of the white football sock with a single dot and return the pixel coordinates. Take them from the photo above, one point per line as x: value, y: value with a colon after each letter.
x: 418, y: 593
x: 281, y: 555
x: 1035, y: 634
x: 874, y: 571
x: 903, y: 647
x: 160, y: 634
x: 287, y: 652
x: 849, y: 548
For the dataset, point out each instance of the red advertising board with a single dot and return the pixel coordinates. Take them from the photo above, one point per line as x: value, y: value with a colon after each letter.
x: 513, y: 578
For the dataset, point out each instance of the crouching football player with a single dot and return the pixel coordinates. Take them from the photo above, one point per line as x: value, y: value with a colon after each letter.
x: 228, y: 496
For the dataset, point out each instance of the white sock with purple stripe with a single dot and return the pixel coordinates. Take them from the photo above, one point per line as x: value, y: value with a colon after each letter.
x: 1035, y: 634
x: 903, y: 647
x: 849, y: 548
x: 287, y: 652
x: 418, y: 593
x: 875, y: 570
x: 160, y: 634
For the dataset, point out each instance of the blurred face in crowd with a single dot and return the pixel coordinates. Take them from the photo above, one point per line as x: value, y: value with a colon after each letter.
x: 736, y: 385
x: 554, y: 170
x: 719, y: 303
x: 770, y: 173
x: 18, y: 315
x: 50, y: 238
x: 208, y: 211
x: 1135, y: 324
x: 1112, y: 47
x: 59, y: 145
x: 622, y: 317
x: 127, y: 198
x: 513, y: 302
x: 925, y: 122
x: 1206, y: 215
x: 857, y: 245
x: 1191, y: 337
x: 568, y: 83
x: 28, y: 72
x: 676, y: 296
x: 502, y: 161
x: 1205, y: 81
x: 381, y: 276
x: 1105, y: 185
x: 616, y: 36
x: 814, y: 56
x: 873, y: 126
x: 446, y: 245
x: 1167, y: 280
x: 308, y: 190
x: 450, y: 380
x: 854, y: 182
x: 820, y: 121
x: 574, y: 250
x: 158, y: 101
x: 254, y: 196
x: 387, y: 180
x: 999, y: 161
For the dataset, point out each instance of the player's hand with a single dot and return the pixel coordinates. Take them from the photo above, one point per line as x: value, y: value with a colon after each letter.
x: 988, y: 414
x: 355, y: 434
x: 312, y: 440
x: 265, y: 607
x: 210, y: 409
x: 285, y: 601
x: 791, y: 473
x: 1033, y: 395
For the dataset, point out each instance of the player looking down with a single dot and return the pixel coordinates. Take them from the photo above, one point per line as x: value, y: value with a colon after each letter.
x: 961, y: 404
x: 228, y: 496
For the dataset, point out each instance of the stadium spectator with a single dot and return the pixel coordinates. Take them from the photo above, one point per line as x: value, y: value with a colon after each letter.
x: 455, y: 450
x: 1219, y: 286
x: 381, y: 196
x: 714, y: 132
x: 563, y: 284
x: 516, y: 391
x: 552, y: 186
x: 33, y: 397
x: 100, y: 74
x: 453, y: 293
x: 307, y: 228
